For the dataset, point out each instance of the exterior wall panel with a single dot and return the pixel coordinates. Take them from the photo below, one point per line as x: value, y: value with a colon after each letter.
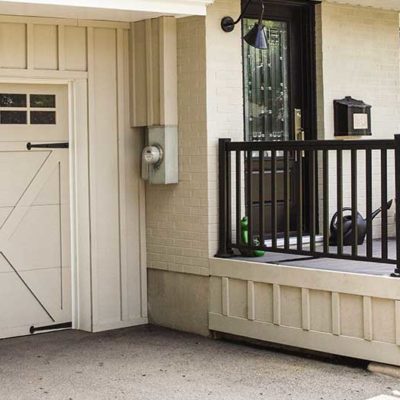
x: 75, y: 50
x: 13, y: 45
x: 182, y: 219
x: 358, y: 56
x: 45, y: 47
x: 104, y: 171
x: 98, y: 51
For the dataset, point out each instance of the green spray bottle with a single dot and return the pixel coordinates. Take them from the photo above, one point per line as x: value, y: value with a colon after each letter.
x: 244, y: 230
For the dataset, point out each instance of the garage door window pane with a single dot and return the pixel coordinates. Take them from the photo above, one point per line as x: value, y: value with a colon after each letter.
x: 12, y: 100
x: 43, y: 100
x: 13, y: 117
x: 43, y: 117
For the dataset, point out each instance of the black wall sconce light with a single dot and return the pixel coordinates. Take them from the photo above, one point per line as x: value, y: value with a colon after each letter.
x: 257, y: 36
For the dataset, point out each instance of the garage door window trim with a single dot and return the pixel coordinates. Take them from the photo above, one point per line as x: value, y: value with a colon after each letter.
x: 27, y: 109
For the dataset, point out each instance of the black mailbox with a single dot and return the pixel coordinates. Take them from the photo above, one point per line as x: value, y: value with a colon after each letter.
x: 352, y: 117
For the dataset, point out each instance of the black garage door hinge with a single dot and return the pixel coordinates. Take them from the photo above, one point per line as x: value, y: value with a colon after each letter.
x: 64, y: 145
x: 55, y: 327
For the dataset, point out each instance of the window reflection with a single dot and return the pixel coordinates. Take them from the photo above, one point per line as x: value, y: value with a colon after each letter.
x: 12, y: 100
x: 13, y: 117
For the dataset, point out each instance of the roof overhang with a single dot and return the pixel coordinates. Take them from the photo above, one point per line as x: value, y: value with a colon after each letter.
x: 115, y: 10
x: 383, y: 4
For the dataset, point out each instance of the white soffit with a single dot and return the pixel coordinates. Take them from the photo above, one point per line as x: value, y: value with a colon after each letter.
x: 383, y: 4
x: 113, y: 10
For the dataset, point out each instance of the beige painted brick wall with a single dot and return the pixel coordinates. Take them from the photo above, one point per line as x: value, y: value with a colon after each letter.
x: 182, y: 219
x: 358, y: 55
x: 224, y: 98
x: 177, y: 220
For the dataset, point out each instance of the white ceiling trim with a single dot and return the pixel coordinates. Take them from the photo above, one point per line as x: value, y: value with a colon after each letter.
x: 382, y: 4
x: 123, y: 10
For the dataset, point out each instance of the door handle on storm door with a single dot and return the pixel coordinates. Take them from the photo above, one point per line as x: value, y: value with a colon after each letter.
x: 64, y: 145
x: 298, y: 127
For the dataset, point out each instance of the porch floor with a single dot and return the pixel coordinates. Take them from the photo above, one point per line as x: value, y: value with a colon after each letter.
x: 150, y: 363
x: 332, y: 264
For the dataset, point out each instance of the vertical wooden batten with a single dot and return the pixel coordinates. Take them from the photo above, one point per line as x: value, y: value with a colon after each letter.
x: 251, y: 304
x: 29, y: 46
x: 61, y: 47
x: 276, y: 292
x: 305, y: 309
x: 149, y: 72
x: 122, y: 212
x: 154, y: 71
x: 168, y: 72
x: 225, y: 297
x: 139, y: 81
x: 92, y: 183
x: 336, y: 313
x: 367, y: 318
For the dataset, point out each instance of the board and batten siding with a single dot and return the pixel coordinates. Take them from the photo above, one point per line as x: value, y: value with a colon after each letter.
x: 49, y: 48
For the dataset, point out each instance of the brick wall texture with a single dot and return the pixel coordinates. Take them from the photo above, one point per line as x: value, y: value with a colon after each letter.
x: 358, y: 56
x: 182, y: 219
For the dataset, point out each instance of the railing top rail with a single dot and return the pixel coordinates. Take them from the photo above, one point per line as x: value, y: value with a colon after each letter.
x: 370, y: 144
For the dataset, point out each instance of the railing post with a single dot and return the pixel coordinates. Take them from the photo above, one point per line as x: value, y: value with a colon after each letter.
x: 224, y: 201
x: 396, y: 273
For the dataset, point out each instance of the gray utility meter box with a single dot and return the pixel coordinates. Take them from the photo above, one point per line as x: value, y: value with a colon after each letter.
x: 160, y: 156
x: 352, y: 117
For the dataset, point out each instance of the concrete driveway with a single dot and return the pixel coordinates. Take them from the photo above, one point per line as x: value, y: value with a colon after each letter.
x: 150, y: 363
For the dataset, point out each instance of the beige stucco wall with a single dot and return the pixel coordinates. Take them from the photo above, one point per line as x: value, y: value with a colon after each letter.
x: 182, y: 219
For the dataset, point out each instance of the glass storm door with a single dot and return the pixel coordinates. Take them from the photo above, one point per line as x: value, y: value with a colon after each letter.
x: 266, y: 84
x: 278, y: 99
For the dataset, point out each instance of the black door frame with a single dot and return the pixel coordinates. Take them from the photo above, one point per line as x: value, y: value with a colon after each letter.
x: 303, y: 81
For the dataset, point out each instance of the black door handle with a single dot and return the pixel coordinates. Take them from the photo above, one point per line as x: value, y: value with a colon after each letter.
x: 30, y: 146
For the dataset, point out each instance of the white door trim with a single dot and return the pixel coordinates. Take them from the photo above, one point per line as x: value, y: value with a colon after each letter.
x: 81, y: 266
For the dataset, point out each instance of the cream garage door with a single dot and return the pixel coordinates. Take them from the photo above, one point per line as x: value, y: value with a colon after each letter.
x: 35, y: 262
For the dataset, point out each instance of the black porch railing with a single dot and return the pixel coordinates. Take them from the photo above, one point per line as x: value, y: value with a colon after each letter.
x: 282, y: 196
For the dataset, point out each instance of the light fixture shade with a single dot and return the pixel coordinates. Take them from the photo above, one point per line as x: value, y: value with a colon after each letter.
x: 257, y: 36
